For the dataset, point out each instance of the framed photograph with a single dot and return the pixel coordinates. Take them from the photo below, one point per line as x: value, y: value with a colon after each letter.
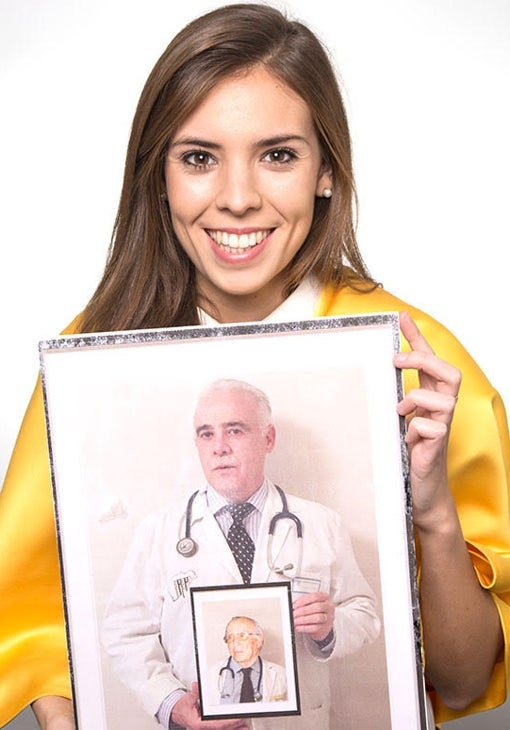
x: 245, y: 651
x: 247, y: 455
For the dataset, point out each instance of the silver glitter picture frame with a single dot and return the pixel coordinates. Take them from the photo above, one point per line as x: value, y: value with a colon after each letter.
x: 119, y: 412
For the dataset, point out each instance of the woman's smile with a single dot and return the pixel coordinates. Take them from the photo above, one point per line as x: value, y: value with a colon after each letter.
x: 238, y: 248
x: 238, y: 241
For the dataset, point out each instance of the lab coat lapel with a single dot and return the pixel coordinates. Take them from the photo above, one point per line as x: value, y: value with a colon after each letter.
x: 268, y: 685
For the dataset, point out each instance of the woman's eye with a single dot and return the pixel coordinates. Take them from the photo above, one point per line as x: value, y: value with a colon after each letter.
x: 198, y: 159
x: 280, y: 156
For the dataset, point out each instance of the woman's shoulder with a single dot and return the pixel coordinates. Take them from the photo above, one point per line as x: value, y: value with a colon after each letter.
x: 355, y: 297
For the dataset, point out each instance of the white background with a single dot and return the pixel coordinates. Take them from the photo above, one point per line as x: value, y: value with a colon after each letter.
x: 426, y: 85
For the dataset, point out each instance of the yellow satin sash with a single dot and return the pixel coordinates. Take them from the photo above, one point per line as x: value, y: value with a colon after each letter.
x: 478, y: 468
x: 33, y: 658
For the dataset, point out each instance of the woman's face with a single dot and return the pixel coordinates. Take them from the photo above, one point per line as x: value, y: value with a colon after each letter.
x: 242, y: 174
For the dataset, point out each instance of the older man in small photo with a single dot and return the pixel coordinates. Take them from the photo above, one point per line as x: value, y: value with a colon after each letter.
x: 245, y: 676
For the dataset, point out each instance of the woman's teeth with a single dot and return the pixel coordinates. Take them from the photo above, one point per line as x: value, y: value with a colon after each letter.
x: 236, y: 242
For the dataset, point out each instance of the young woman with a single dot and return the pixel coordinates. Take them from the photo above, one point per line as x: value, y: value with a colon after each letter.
x: 237, y: 205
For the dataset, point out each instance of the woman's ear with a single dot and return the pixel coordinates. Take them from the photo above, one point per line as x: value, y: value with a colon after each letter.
x: 324, y: 188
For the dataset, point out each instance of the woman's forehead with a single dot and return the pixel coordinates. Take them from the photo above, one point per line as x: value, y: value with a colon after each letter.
x: 256, y: 102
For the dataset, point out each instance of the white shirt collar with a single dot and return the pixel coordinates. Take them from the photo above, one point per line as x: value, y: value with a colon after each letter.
x: 217, y: 502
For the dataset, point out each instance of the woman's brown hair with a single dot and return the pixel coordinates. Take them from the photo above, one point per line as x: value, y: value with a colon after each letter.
x: 148, y: 280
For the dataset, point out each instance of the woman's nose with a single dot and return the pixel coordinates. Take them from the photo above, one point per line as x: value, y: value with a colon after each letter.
x: 238, y: 189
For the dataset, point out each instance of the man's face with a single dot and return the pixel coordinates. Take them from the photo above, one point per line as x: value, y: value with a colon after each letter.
x: 232, y: 442
x: 243, y: 644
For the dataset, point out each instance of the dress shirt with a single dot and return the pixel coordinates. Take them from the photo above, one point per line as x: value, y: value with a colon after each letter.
x: 238, y: 679
x: 219, y: 507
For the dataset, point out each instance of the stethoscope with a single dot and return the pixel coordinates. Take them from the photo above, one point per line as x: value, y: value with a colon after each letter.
x: 187, y: 546
x: 229, y: 691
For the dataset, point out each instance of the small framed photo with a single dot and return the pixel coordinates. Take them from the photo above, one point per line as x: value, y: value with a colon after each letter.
x: 242, y: 464
x: 245, y: 651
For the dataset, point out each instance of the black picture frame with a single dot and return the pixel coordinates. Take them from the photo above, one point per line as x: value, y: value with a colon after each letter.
x: 269, y: 606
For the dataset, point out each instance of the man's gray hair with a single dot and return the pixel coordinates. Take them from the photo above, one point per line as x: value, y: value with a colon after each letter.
x: 229, y: 385
x: 257, y: 628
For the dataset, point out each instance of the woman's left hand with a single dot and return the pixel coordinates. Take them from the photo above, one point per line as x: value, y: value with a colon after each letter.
x: 461, y: 630
x: 429, y: 411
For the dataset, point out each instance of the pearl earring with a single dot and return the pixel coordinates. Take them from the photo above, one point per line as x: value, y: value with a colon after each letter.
x: 327, y: 193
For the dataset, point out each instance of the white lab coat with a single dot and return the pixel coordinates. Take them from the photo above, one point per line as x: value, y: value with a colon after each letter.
x: 147, y: 630
x: 273, y: 686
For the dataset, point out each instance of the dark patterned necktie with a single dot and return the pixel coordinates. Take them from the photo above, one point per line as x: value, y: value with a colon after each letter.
x: 239, y: 541
x: 247, y: 686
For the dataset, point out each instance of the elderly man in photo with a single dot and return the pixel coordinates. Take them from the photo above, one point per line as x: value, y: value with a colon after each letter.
x: 246, y: 676
x: 220, y: 537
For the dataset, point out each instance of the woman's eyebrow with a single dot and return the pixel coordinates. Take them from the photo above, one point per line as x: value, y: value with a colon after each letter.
x: 281, y: 139
x: 264, y: 142
x: 195, y: 142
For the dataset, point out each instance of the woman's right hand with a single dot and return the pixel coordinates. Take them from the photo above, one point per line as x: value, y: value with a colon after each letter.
x: 54, y: 713
x: 186, y: 713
